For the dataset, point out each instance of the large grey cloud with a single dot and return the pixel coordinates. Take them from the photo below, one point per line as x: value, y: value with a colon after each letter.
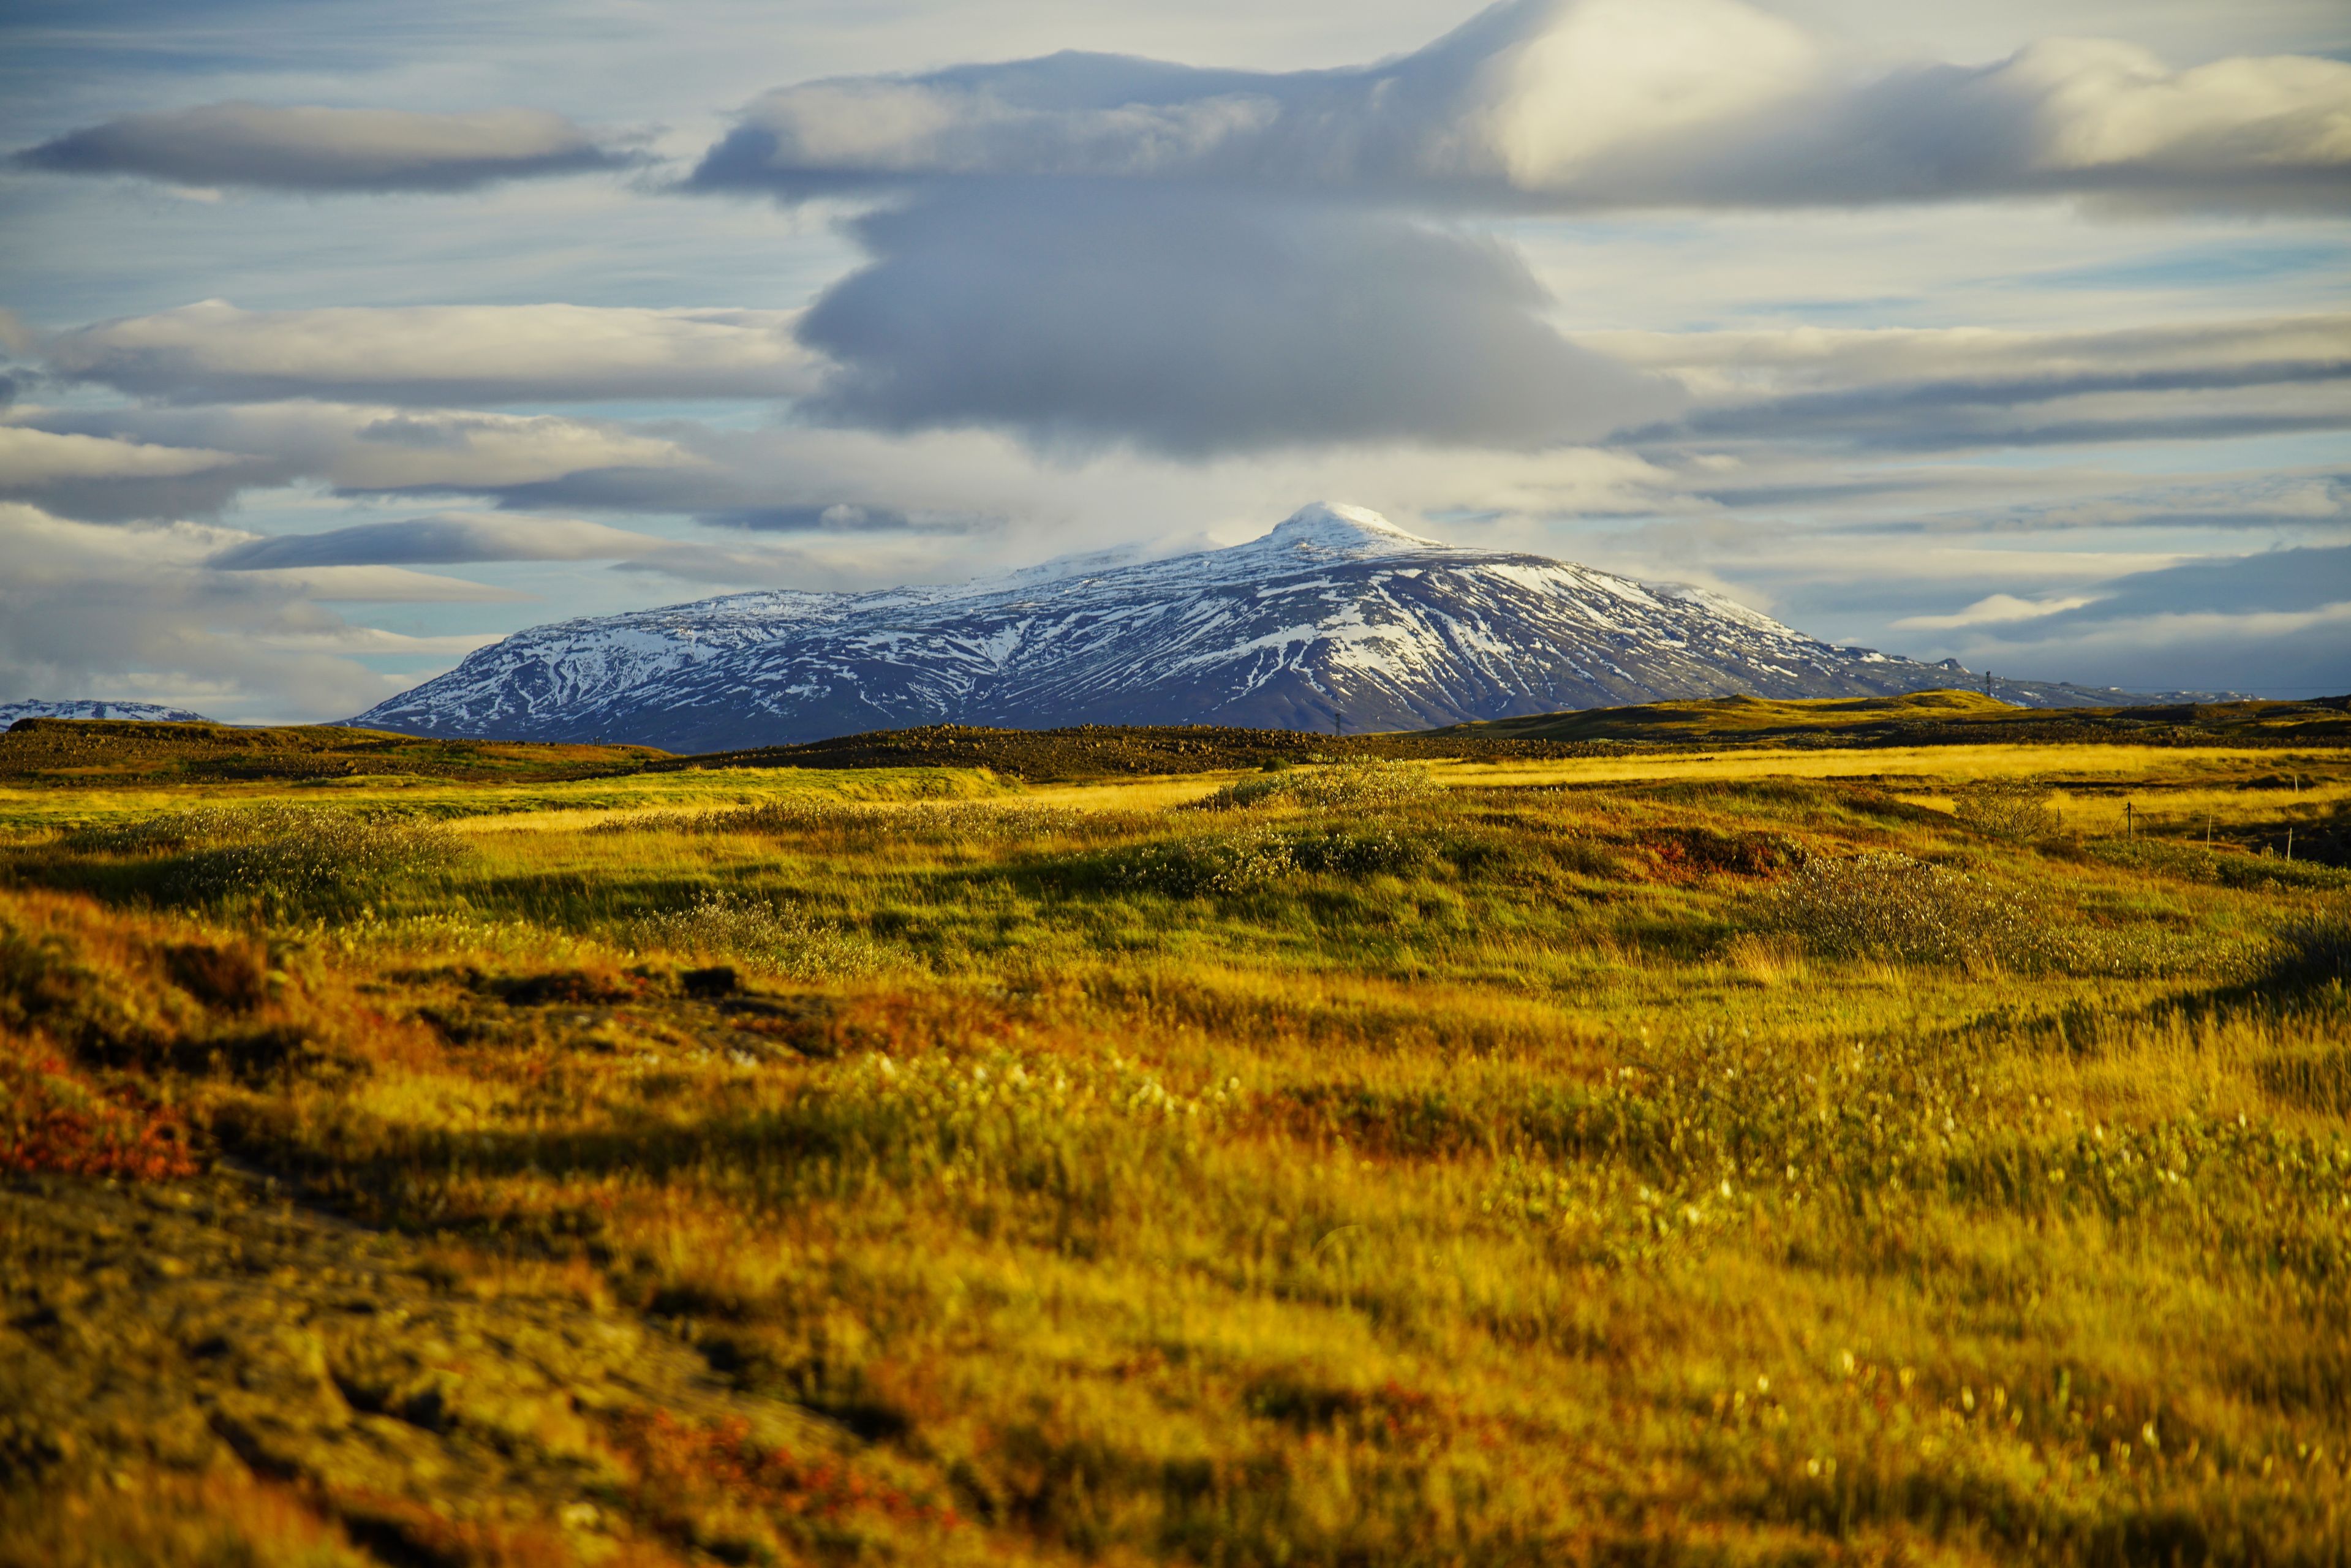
x: 213, y: 352
x: 313, y: 148
x: 1192, y: 323
x: 1570, y: 104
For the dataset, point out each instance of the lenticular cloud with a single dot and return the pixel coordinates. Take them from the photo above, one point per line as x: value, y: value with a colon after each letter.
x: 314, y: 149
x: 1192, y: 323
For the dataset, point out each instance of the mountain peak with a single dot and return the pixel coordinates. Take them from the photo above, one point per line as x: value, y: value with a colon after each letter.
x: 1336, y: 616
x: 1350, y: 530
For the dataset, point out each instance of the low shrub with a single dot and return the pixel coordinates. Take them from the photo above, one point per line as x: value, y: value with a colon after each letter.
x: 1208, y: 864
x: 2005, y: 808
x: 1248, y: 859
x: 774, y: 936
x: 1358, y: 785
x: 1891, y: 906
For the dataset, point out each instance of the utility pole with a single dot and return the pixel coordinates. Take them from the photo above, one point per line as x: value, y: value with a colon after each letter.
x: 1338, y: 722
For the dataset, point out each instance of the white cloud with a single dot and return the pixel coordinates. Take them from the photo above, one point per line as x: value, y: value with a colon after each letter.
x: 362, y: 448
x: 106, y: 478
x: 1577, y: 103
x: 31, y: 459
x: 1993, y: 610
x: 213, y: 352
x: 1739, y: 362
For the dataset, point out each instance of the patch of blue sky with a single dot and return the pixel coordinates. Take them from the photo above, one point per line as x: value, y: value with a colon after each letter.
x: 1836, y: 312
x: 2242, y: 258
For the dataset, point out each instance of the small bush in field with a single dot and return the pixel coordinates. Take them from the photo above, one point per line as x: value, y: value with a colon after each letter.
x: 1210, y: 863
x: 1357, y: 785
x: 779, y: 937
x: 1892, y: 906
x: 2005, y: 808
x: 1223, y: 864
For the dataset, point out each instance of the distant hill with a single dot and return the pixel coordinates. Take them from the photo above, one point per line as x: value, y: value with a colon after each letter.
x: 1918, y: 719
x: 1926, y: 718
x: 87, y: 707
x: 97, y: 752
x: 1335, y: 620
x: 82, y: 751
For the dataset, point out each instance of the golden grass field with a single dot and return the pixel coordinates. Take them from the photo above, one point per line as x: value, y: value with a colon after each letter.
x: 1770, y: 1155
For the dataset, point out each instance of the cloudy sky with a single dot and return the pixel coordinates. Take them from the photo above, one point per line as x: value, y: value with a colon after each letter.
x: 343, y: 338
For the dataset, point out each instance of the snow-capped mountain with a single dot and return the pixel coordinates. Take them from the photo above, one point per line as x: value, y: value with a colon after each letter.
x: 1337, y: 618
x: 87, y: 707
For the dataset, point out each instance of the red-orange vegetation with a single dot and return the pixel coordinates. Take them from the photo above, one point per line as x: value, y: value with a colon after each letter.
x: 682, y: 1461
x: 54, y: 1120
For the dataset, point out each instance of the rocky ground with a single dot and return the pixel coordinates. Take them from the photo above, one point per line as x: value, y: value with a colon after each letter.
x: 211, y: 1323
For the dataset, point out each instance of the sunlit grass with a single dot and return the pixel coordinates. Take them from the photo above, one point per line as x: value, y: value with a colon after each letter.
x: 1725, y: 1161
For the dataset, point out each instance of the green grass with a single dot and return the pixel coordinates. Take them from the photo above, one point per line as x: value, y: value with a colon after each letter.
x: 1375, y: 1166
